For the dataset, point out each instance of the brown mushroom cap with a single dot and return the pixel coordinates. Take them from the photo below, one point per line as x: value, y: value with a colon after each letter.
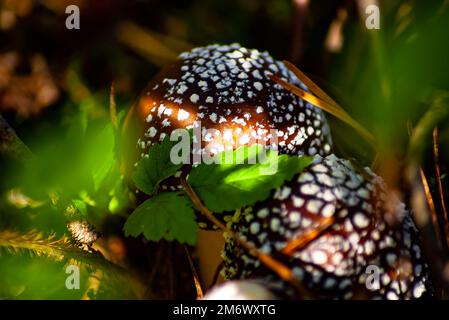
x: 334, y: 265
x: 226, y: 87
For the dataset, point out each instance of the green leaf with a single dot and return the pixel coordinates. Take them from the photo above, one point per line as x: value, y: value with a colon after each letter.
x: 155, y: 167
x: 226, y: 187
x: 167, y: 215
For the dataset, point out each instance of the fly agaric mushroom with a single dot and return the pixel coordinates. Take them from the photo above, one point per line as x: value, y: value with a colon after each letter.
x: 226, y: 88
x: 362, y: 254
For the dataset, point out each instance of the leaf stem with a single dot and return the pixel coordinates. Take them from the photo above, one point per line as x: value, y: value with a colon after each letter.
x: 279, y: 268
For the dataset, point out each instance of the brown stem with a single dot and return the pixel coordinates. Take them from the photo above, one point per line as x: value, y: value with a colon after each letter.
x: 431, y: 243
x: 113, y: 106
x: 327, y: 106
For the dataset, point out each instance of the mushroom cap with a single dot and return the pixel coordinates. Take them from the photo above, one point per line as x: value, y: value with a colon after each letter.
x: 337, y: 263
x: 227, y: 88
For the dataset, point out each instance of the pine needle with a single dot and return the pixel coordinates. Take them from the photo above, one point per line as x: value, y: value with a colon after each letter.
x: 321, y: 100
x: 216, y: 275
x: 440, y: 184
x: 113, y: 107
x: 58, y: 249
x: 304, y: 239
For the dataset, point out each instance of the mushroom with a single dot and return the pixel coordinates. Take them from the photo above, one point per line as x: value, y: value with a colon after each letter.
x: 226, y: 88
x: 362, y: 254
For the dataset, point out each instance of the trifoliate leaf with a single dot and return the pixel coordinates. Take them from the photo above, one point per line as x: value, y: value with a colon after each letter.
x: 232, y: 184
x: 155, y: 167
x: 167, y: 215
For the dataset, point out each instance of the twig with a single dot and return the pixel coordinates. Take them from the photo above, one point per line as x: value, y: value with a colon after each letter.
x: 196, y: 280
x: 279, y: 268
x: 440, y: 184
x: 304, y: 239
x: 430, y: 203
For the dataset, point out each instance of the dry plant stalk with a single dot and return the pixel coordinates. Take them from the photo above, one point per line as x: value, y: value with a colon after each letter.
x: 196, y: 279
x: 440, y: 185
x: 216, y: 275
x: 430, y: 203
x: 304, y: 239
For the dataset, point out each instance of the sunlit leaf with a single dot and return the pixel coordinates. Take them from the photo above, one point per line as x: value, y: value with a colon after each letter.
x: 229, y: 186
